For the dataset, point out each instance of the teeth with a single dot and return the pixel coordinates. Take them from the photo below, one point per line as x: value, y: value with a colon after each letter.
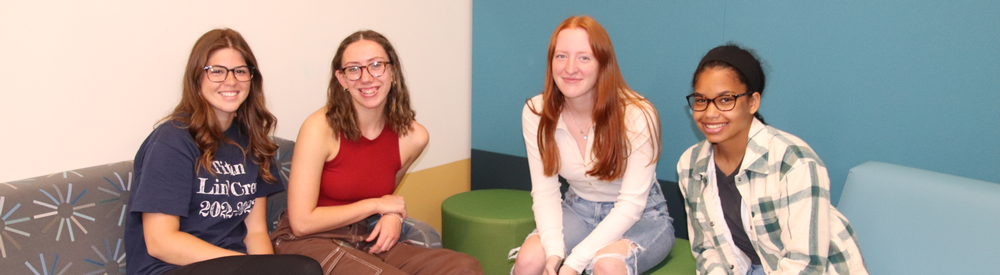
x: 368, y: 91
x: 228, y: 93
x: 714, y: 126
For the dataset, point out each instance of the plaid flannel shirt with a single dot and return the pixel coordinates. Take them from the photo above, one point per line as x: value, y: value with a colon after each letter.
x: 793, y: 227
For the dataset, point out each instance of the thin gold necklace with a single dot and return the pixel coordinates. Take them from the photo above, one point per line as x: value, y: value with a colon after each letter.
x: 578, y: 128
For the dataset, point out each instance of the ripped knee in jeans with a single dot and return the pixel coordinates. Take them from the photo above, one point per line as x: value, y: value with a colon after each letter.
x: 631, y: 259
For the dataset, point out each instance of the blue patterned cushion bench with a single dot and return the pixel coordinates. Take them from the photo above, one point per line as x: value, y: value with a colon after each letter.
x: 72, y: 222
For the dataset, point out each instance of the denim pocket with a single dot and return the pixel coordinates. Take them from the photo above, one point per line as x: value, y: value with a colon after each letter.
x: 570, y: 197
x: 655, y: 201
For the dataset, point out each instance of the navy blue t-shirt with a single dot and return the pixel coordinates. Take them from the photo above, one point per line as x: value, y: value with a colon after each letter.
x: 210, y: 207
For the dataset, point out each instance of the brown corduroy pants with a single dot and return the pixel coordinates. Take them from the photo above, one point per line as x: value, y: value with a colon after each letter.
x: 343, y: 251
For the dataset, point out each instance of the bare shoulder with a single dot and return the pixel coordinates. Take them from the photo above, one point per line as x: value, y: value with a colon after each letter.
x: 412, y: 144
x: 316, y: 134
x: 417, y: 136
x: 316, y: 124
x: 317, y: 117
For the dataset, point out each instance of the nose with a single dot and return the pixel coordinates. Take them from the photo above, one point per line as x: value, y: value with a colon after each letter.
x: 712, y: 110
x: 230, y: 78
x: 366, y: 75
x: 568, y: 65
x: 571, y: 66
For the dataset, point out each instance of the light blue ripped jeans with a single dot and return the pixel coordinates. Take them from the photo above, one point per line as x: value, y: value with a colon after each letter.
x: 652, y: 235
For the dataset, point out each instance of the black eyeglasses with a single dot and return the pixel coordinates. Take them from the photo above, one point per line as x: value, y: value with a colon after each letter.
x: 220, y: 73
x: 723, y: 102
x: 375, y: 69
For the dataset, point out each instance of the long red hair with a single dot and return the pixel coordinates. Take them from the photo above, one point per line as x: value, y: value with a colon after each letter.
x: 611, y: 97
x: 252, y: 116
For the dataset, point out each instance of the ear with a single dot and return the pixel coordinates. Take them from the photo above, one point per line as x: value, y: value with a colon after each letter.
x: 754, y: 102
x: 341, y: 78
x: 392, y: 79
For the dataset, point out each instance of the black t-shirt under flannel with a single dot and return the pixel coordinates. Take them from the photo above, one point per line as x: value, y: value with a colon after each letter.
x: 730, y: 199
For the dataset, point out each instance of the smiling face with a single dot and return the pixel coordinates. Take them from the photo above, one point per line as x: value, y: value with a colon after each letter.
x: 574, y: 67
x: 226, y: 96
x: 367, y: 92
x: 725, y: 128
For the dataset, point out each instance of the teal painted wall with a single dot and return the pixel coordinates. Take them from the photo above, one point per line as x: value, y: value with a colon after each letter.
x: 915, y: 83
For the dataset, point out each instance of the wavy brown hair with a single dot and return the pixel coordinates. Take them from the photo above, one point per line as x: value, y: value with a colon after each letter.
x: 612, y: 96
x: 252, y: 116
x: 340, y: 112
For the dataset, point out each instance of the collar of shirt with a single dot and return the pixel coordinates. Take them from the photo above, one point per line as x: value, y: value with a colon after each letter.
x: 754, y: 160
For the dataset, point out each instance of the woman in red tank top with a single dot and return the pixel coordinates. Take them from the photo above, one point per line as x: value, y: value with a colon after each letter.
x: 349, y: 157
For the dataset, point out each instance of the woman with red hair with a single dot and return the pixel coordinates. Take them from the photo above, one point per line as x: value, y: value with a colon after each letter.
x: 604, y: 139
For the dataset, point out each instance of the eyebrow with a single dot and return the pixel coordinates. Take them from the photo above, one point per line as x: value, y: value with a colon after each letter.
x: 717, y: 95
x: 556, y: 51
x: 370, y: 60
x: 227, y: 67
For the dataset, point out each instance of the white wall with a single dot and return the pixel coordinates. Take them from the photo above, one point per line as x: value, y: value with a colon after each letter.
x: 83, y: 82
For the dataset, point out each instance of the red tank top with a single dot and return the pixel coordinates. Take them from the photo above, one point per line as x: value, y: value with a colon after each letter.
x: 361, y: 170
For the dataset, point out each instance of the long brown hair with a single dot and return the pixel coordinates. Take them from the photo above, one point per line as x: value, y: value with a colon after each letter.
x: 252, y: 116
x: 612, y: 96
x: 340, y: 113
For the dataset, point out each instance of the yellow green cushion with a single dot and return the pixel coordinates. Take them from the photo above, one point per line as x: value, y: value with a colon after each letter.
x: 487, y: 224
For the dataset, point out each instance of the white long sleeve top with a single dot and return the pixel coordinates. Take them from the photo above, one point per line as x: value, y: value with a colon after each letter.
x: 629, y: 192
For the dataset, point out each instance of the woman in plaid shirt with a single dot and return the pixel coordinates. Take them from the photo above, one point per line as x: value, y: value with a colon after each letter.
x: 757, y: 198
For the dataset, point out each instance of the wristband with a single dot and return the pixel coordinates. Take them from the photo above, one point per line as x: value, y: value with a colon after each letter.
x: 395, y: 214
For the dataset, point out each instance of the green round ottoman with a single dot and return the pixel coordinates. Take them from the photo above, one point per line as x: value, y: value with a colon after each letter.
x: 487, y: 224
